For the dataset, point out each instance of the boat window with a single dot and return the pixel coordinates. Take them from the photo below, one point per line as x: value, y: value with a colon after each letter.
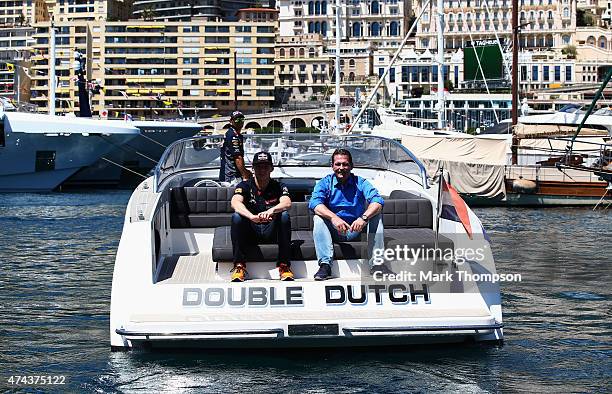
x: 290, y: 150
x: 45, y: 160
x: 2, y: 138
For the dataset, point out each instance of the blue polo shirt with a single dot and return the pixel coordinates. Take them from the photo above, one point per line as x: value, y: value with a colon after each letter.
x: 347, y: 201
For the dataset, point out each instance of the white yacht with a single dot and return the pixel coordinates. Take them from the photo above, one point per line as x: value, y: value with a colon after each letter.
x: 38, y: 152
x: 171, y: 282
x: 121, y: 166
x: 569, y: 118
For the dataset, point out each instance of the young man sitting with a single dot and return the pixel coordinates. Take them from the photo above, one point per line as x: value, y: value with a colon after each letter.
x: 260, y: 206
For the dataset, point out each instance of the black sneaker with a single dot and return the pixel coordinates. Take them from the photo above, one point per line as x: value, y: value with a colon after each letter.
x: 382, y: 269
x: 323, y: 273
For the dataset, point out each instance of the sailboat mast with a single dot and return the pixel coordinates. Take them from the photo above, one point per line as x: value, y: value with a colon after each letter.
x: 440, y: 31
x: 52, y: 69
x: 515, y: 98
x: 337, y: 103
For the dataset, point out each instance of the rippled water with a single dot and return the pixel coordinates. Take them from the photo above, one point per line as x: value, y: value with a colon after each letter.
x: 56, y: 259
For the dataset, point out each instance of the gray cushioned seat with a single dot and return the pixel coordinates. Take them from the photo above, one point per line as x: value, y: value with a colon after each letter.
x: 408, y: 220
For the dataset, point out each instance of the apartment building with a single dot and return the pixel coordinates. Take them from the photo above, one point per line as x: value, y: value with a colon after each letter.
x: 302, y: 68
x: 211, y: 10
x: 161, y: 69
x: 547, y: 23
x: 383, y: 23
x: 419, y: 69
x: 15, y: 45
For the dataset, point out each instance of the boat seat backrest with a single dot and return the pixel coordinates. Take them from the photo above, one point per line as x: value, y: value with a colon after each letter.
x: 404, y: 213
x: 192, y: 206
x: 301, y: 217
x: 208, y: 207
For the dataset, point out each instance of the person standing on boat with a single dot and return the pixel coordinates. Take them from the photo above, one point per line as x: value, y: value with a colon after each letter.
x: 233, y: 169
x: 260, y: 206
x: 345, y: 206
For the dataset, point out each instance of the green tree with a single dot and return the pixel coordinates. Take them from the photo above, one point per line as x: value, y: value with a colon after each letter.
x: 569, y: 51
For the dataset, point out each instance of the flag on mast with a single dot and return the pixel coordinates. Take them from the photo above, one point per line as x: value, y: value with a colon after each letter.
x: 454, y: 208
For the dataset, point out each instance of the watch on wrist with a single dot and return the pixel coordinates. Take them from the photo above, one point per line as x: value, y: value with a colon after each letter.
x: 364, y: 217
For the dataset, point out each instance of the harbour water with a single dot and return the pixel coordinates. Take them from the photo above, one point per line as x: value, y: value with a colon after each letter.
x: 57, y: 253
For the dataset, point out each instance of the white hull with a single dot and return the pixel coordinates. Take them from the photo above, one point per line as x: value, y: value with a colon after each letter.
x: 42, y: 151
x: 168, y: 291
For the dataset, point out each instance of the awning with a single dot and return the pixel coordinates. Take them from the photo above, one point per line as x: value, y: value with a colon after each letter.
x: 223, y: 90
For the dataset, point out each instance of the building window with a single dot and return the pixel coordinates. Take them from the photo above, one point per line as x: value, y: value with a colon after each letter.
x: 557, y: 73
x: 356, y: 29
x: 405, y: 74
x: 568, y: 73
x: 393, y: 29
x: 375, y: 8
x: 523, y: 73
x: 534, y: 73
x: 45, y: 160
x: 546, y: 73
x: 375, y: 29
x: 392, y: 74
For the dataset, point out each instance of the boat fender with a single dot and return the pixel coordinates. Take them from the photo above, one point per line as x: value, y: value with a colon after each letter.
x: 524, y: 186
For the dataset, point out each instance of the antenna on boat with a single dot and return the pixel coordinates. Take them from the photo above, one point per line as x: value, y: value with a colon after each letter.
x: 386, y: 72
x: 337, y: 100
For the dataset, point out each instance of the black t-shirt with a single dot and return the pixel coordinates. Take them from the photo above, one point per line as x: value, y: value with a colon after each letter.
x: 233, y: 146
x: 258, y: 201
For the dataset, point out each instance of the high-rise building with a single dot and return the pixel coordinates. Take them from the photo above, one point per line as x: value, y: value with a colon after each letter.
x: 211, y: 10
x: 161, y: 69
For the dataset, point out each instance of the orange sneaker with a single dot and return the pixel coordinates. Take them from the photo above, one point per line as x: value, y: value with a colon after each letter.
x: 239, y: 272
x: 285, y: 272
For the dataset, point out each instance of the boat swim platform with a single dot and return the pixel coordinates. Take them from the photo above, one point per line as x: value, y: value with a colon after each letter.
x: 455, y: 315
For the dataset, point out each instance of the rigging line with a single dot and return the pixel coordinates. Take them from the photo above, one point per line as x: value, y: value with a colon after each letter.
x: 480, y: 68
x: 133, y: 150
x: 386, y: 72
x: 506, y: 66
x: 152, y: 140
x: 601, y: 200
x: 566, y: 174
x: 122, y: 167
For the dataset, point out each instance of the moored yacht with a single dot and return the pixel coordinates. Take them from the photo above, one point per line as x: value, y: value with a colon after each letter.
x: 171, y: 282
x: 38, y: 152
x: 125, y: 165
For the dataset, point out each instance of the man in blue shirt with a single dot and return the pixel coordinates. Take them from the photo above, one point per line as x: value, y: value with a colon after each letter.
x: 345, y: 205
